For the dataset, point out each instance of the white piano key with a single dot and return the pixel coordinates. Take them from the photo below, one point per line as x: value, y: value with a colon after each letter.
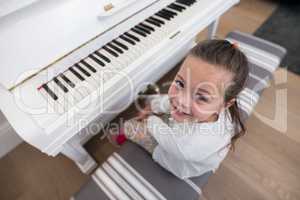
x: 121, y: 58
x: 114, y: 63
x: 144, y: 43
x: 81, y: 90
x: 99, y: 76
x: 128, y: 53
x: 178, y: 17
x: 111, y: 57
x: 180, y: 4
x: 160, y: 31
x: 73, y: 95
x: 125, y: 59
x: 71, y: 99
x: 153, y: 38
x: 136, y: 49
x: 60, y: 94
x: 86, y: 73
x: 53, y: 103
x: 94, y: 63
x: 72, y: 77
x: 102, y: 75
x: 133, y: 49
x: 95, y: 79
x: 89, y: 81
x: 167, y: 22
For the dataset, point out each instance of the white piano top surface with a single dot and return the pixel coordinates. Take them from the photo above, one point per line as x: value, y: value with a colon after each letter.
x: 10, y: 6
x: 34, y: 35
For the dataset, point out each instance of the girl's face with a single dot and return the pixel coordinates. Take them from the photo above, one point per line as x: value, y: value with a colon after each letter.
x: 197, y: 92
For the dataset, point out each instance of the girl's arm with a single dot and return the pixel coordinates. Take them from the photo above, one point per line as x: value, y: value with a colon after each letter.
x: 159, y: 103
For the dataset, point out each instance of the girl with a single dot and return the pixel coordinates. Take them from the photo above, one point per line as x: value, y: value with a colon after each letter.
x: 190, y: 130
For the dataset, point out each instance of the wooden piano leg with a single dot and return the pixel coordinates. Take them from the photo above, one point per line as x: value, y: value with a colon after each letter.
x: 80, y: 156
x: 212, y: 29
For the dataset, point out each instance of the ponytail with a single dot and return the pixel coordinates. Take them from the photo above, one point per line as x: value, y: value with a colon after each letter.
x: 240, y: 128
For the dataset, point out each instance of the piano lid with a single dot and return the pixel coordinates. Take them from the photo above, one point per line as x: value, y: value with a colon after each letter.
x: 9, y: 6
x: 35, y: 36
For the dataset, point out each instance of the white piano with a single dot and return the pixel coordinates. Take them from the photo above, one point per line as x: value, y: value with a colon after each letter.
x: 67, y: 67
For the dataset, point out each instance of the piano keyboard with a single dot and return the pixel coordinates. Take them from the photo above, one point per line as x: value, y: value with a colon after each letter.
x: 78, y: 81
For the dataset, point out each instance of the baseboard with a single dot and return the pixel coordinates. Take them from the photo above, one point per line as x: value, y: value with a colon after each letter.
x: 8, y: 138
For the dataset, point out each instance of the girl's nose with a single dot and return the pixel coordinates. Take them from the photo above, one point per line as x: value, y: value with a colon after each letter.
x: 184, y: 102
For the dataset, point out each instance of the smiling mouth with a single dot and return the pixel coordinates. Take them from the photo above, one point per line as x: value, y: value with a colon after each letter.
x: 176, y: 111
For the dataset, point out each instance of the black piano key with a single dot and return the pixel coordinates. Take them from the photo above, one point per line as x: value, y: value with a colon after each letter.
x: 132, y: 37
x: 147, y: 27
x: 126, y: 39
x: 110, y: 51
x: 143, y: 29
x: 170, y: 12
x: 186, y: 2
x: 176, y: 7
x: 157, y: 20
x: 76, y: 74
x: 98, y: 61
x: 68, y: 81
x: 166, y: 13
x: 100, y: 55
x: 82, y: 70
x: 153, y: 22
x: 139, y: 32
x: 50, y: 92
x: 117, y: 49
x: 123, y: 46
x: 90, y: 67
x: 60, y: 85
x: 163, y: 16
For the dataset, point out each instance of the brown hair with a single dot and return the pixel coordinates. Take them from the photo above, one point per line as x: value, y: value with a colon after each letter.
x: 223, y: 54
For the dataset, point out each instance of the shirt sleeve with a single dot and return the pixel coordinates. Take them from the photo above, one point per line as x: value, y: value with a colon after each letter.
x: 164, y: 135
x: 159, y: 103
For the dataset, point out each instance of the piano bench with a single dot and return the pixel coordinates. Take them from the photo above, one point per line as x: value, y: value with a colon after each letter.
x: 131, y: 173
x: 133, y: 170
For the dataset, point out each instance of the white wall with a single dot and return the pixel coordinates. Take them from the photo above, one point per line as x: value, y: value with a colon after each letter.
x: 8, y: 137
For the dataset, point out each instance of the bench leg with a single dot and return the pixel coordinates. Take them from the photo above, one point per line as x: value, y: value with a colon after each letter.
x: 80, y: 156
x: 212, y: 29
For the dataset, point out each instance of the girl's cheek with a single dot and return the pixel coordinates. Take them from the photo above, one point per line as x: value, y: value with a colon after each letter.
x: 202, y: 112
x: 197, y: 112
x: 172, y: 91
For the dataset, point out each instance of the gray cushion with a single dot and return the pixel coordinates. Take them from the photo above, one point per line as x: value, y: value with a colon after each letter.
x: 133, y: 171
x: 258, y: 43
x: 264, y: 58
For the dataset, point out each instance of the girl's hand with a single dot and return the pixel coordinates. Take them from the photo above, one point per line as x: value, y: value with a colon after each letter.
x: 143, y: 114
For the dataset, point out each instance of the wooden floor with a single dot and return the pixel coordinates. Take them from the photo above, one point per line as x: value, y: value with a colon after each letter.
x: 265, y: 165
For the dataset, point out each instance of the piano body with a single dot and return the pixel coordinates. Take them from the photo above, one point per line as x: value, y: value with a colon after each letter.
x: 69, y: 67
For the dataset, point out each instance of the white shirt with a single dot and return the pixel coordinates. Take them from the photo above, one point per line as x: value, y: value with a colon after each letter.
x: 188, y: 149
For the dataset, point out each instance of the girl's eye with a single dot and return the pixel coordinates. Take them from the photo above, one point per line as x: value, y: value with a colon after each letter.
x: 202, y: 98
x: 179, y: 84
